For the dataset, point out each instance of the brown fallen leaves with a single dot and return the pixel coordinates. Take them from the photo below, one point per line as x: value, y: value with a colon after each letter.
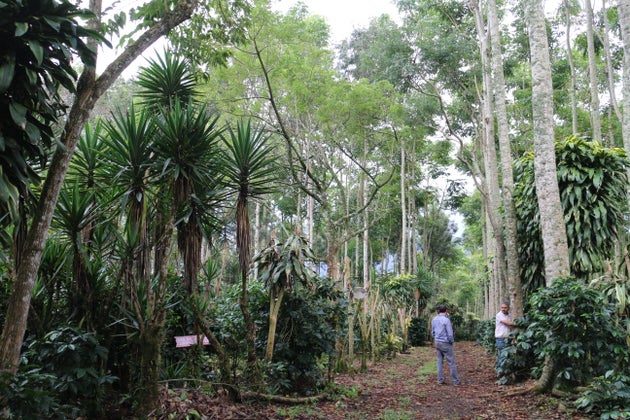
x: 404, y: 387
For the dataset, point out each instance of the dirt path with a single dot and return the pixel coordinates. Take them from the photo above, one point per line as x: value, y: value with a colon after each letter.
x: 406, y: 388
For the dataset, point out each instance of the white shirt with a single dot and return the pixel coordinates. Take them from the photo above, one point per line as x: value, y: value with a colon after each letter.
x: 501, y: 330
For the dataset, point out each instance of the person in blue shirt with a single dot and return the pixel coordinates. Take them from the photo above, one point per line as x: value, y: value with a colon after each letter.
x: 442, y: 331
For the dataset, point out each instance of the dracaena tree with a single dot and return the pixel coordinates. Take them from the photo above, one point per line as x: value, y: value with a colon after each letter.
x: 250, y: 172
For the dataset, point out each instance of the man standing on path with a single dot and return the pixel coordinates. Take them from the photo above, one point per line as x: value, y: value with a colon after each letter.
x: 442, y: 331
x: 502, y: 329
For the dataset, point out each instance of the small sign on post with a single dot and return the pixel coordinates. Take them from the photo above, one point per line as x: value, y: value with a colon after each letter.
x: 189, y: 340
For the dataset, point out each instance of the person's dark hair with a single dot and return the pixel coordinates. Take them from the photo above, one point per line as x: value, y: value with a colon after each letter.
x: 441, y: 308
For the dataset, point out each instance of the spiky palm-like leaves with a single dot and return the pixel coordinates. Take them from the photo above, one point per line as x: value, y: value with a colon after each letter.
x: 250, y: 171
x: 166, y: 81
x: 129, y: 143
x: 186, y: 150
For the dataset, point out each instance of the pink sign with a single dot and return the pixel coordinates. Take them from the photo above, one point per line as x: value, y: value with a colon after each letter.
x: 189, y: 340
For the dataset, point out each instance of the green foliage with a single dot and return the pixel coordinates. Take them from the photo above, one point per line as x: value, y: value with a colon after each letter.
x: 249, y: 160
x: 39, y: 41
x: 485, y: 334
x: 63, y: 366
x: 390, y: 345
x: 418, y: 334
x: 376, y: 53
x: 282, y: 266
x: 607, y: 396
x: 309, y: 323
x: 592, y: 182
x: 575, y: 327
x: 468, y: 327
x: 31, y: 394
x: 166, y: 81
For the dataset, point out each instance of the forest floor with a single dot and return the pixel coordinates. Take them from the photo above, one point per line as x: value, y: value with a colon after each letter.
x: 402, y: 388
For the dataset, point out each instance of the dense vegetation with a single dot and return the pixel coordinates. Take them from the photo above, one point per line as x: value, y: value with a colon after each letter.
x: 288, y: 209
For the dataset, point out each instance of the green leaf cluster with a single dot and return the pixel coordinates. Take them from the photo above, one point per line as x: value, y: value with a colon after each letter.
x: 40, y: 39
x: 575, y: 326
x: 592, y: 182
x: 608, y: 396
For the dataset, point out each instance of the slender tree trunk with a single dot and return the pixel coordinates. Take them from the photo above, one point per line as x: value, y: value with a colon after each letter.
x: 275, y: 301
x: 574, y: 114
x: 507, y: 177
x: 592, y: 72
x: 553, y: 230
x: 610, y: 72
x: 403, y: 210
x: 623, y: 6
x: 491, y: 169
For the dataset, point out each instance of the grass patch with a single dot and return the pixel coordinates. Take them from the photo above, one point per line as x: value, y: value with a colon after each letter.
x: 389, y: 414
x: 297, y: 411
x: 427, y: 369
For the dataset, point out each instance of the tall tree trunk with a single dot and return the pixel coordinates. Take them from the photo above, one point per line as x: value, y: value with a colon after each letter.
x: 403, y: 211
x: 592, y: 72
x: 491, y: 169
x: 89, y: 90
x: 556, y: 251
x: 610, y: 72
x: 623, y: 6
x: 507, y: 177
x: 572, y: 88
x: 553, y: 230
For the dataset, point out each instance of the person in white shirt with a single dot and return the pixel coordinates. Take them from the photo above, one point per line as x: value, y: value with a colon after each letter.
x: 502, y: 329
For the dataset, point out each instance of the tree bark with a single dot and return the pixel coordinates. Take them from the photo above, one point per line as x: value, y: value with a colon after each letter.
x: 514, y: 286
x: 574, y: 117
x: 491, y: 169
x: 623, y: 7
x: 556, y: 251
x: 553, y: 229
x: 596, y: 123
x: 89, y: 90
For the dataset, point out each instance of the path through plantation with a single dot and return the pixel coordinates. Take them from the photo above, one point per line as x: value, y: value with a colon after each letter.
x: 404, y: 387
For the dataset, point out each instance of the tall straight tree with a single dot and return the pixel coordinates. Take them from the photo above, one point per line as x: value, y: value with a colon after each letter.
x: 623, y: 7
x: 574, y: 118
x: 490, y: 180
x: 513, y: 282
x: 553, y: 229
x: 596, y: 123
x: 552, y: 225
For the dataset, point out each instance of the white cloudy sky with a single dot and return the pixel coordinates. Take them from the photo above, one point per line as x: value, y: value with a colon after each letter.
x: 343, y: 15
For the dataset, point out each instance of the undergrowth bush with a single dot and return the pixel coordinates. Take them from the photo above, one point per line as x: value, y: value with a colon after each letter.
x: 575, y: 327
x: 308, y: 326
x: 60, y: 377
x: 485, y: 334
x: 608, y: 396
x: 418, y: 334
